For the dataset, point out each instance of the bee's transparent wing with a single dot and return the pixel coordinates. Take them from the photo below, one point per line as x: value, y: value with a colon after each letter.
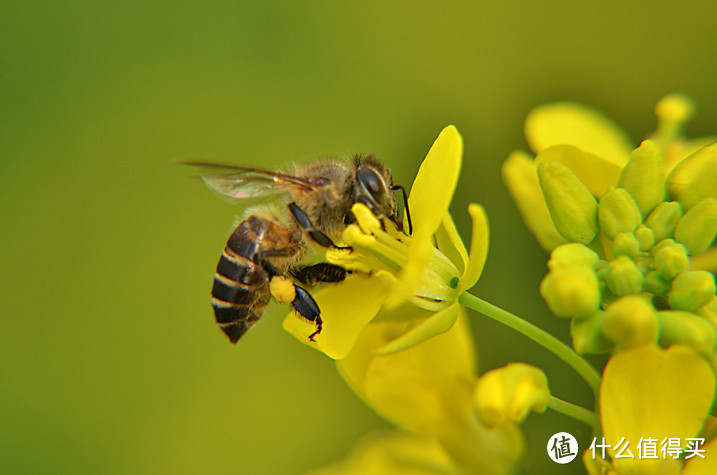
x: 246, y: 185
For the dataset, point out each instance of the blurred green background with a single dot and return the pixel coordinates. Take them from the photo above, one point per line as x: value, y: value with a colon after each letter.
x: 110, y: 361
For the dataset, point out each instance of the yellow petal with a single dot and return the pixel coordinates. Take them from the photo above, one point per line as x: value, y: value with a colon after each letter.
x: 434, y: 325
x: 651, y: 392
x: 575, y: 124
x: 450, y: 243
x: 521, y: 178
x: 345, y: 309
x: 426, y: 388
x: 596, y: 173
x: 479, y: 248
x: 703, y: 466
x: 394, y: 452
x: 420, y: 252
x: 428, y: 201
x: 510, y: 393
x: 435, y: 182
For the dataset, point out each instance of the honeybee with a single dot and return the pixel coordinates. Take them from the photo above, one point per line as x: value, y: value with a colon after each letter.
x: 265, y: 256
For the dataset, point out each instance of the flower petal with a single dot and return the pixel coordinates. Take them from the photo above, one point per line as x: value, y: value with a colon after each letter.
x: 650, y: 392
x: 510, y: 393
x: 435, y: 182
x: 345, y: 310
x: 420, y: 252
x: 428, y: 201
x: 436, y: 324
x: 699, y: 466
x: 596, y: 173
x: 426, y: 388
x: 450, y: 243
x: 479, y: 248
x: 521, y: 177
x: 385, y: 452
x: 576, y: 124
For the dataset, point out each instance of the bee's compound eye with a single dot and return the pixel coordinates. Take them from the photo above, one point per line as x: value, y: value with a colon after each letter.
x: 370, y: 181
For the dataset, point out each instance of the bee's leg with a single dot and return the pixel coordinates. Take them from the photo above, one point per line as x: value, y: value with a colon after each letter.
x: 317, y: 236
x: 321, y: 273
x: 284, y: 290
x: 306, y: 306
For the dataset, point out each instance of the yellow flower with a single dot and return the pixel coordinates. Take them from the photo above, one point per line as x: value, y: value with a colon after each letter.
x: 649, y: 392
x: 427, y: 389
x: 399, y: 277
x: 581, y: 154
x: 510, y: 393
x: 649, y: 215
x: 394, y: 452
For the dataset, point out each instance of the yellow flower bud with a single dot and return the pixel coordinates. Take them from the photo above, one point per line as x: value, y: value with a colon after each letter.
x: 645, y: 236
x: 697, y: 228
x: 670, y: 259
x: 655, y: 284
x: 687, y: 328
x: 695, y: 177
x: 709, y: 312
x: 508, y: 394
x: 623, y: 277
x: 675, y: 107
x: 572, y: 255
x: 631, y: 321
x: 618, y: 213
x: 587, y: 334
x: 692, y: 290
x: 571, y: 292
x: 626, y: 244
x: 521, y: 178
x: 572, y: 207
x: 663, y: 219
x: 644, y: 176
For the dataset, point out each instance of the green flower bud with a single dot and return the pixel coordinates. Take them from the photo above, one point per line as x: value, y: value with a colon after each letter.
x: 655, y: 284
x: 626, y: 244
x: 695, y: 177
x: 644, y: 176
x: 572, y: 207
x: 618, y: 213
x: 686, y: 328
x: 520, y: 176
x: 572, y: 255
x: 709, y: 311
x: 572, y: 292
x: 623, y: 277
x: 692, y: 290
x: 670, y: 259
x: 587, y: 335
x: 663, y: 219
x: 631, y: 321
x: 645, y: 236
x: 698, y: 226
x: 663, y: 243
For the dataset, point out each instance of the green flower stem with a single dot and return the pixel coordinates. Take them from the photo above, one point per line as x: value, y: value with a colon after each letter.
x: 538, y: 335
x: 571, y: 410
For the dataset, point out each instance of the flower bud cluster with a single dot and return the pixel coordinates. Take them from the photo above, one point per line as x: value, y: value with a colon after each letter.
x: 624, y: 278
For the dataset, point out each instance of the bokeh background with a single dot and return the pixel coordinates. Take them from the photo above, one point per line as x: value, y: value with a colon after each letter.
x: 109, y: 358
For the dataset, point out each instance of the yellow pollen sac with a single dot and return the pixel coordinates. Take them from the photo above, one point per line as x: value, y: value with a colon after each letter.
x: 282, y: 289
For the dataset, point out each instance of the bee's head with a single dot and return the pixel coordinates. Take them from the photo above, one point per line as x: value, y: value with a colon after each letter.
x: 374, y: 188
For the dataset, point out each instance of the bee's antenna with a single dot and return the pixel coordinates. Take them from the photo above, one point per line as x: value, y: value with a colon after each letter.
x: 405, y: 203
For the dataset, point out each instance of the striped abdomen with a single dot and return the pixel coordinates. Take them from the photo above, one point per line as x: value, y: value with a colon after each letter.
x: 241, y: 292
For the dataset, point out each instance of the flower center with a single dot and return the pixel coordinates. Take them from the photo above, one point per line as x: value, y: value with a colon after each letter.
x: 380, y: 251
